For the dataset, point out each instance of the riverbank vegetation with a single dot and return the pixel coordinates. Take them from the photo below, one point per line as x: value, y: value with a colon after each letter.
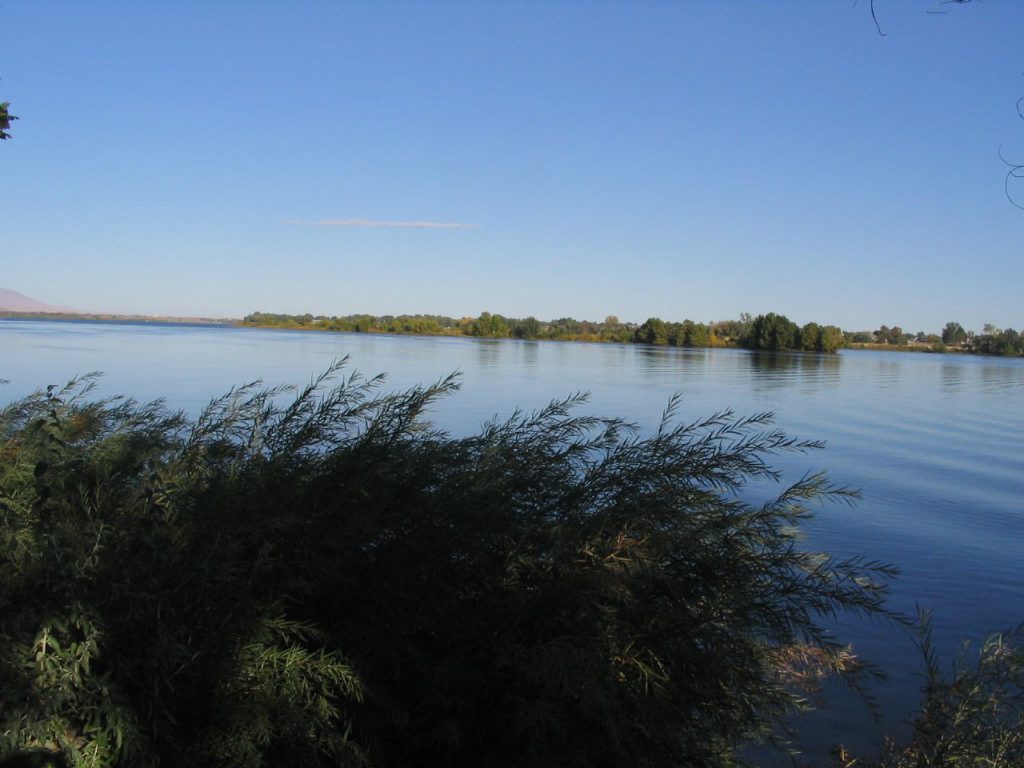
x: 765, y: 332
x: 327, y: 579
x: 770, y: 332
x: 953, y: 338
x: 112, y: 318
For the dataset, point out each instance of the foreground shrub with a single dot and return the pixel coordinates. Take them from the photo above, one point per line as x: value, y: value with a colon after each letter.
x: 332, y: 581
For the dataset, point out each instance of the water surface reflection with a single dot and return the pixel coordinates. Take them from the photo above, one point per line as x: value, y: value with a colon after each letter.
x: 932, y: 441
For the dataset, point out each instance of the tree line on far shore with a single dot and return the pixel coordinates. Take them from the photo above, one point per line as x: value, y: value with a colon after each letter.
x: 768, y: 332
x: 771, y: 332
x: 953, y: 338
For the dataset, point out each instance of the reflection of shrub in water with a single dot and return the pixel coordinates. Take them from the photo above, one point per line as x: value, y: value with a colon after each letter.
x: 334, y: 582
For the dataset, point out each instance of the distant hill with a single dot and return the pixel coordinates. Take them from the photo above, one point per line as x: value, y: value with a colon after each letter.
x: 12, y: 301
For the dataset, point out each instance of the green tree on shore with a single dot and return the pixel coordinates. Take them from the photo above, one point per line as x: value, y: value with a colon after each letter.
x: 653, y: 331
x: 489, y: 326
x: 953, y: 334
x: 810, y: 337
x: 527, y: 328
x: 695, y: 334
x: 773, y: 333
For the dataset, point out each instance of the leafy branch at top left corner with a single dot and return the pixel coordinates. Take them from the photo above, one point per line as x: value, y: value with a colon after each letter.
x: 5, y: 120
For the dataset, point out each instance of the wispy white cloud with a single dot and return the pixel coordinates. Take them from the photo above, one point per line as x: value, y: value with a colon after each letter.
x: 377, y: 223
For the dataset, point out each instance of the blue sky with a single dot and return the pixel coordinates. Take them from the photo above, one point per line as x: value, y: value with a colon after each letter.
x: 684, y: 160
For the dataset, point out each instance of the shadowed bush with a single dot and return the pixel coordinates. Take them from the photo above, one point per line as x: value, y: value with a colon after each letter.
x: 332, y: 581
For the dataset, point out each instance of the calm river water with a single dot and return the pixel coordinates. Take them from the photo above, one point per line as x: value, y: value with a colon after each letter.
x: 934, y: 442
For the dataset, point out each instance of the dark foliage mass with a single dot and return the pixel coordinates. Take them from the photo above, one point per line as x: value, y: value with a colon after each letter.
x: 328, y: 580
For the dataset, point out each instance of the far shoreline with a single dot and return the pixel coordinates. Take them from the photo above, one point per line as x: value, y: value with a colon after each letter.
x: 112, y: 318
x: 231, y: 322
